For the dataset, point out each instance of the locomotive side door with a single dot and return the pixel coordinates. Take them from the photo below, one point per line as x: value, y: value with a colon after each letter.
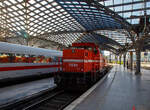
x: 96, y: 58
x: 95, y: 63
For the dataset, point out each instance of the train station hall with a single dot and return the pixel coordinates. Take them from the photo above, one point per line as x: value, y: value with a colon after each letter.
x: 74, y: 54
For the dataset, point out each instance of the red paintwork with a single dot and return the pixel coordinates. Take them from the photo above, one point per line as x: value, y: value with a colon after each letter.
x: 84, y: 44
x: 82, y: 60
x: 27, y: 67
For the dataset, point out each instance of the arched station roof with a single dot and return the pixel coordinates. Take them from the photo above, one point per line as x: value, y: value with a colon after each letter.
x: 61, y: 22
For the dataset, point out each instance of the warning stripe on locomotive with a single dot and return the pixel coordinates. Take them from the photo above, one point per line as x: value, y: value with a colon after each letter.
x: 81, y: 61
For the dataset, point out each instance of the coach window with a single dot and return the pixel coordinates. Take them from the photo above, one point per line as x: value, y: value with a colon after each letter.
x: 24, y: 58
x: 4, y: 58
x: 31, y: 59
x: 18, y: 58
x: 11, y: 57
x: 36, y: 59
x: 40, y: 59
x: 48, y: 60
x: 54, y: 59
x: 0, y: 57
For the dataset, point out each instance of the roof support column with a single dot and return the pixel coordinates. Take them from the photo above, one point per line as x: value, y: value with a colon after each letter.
x: 138, y: 61
x: 120, y: 58
x: 138, y: 48
x: 131, y: 60
x: 116, y: 59
x: 110, y: 58
x: 124, y: 60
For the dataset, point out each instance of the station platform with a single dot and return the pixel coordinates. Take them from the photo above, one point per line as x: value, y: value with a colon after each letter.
x: 120, y: 90
x: 18, y: 92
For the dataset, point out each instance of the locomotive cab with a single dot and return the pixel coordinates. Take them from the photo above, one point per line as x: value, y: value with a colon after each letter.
x: 79, y: 58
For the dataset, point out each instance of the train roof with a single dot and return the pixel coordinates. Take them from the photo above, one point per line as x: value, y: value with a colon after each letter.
x: 84, y: 44
x: 21, y: 49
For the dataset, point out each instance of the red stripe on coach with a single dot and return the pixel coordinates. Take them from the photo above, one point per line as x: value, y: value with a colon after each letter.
x: 26, y: 67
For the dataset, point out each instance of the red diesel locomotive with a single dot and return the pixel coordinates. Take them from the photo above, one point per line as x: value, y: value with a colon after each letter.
x: 82, y: 65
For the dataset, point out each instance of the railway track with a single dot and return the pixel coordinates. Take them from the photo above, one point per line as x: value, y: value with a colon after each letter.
x: 54, y: 100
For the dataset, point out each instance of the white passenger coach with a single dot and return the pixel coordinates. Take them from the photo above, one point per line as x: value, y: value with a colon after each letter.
x: 20, y: 61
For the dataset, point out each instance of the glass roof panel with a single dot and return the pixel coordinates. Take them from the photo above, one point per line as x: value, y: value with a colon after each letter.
x: 39, y: 15
x: 89, y: 16
x: 129, y: 9
x: 119, y: 35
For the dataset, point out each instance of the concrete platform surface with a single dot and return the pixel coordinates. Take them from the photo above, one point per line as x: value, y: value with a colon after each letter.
x: 121, y: 90
x: 17, y: 92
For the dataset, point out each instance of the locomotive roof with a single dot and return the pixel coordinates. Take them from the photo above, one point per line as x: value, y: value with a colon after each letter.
x: 21, y: 49
x: 84, y: 44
